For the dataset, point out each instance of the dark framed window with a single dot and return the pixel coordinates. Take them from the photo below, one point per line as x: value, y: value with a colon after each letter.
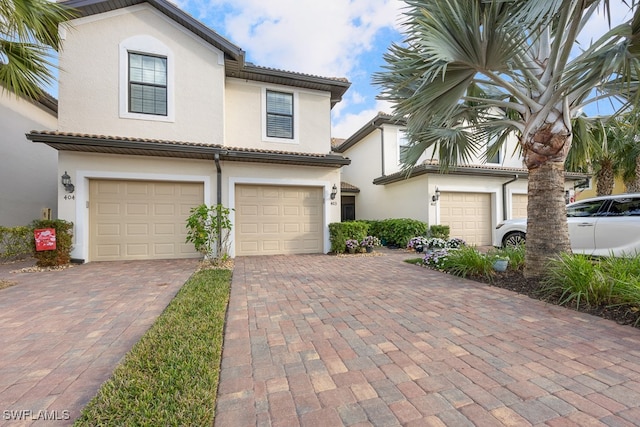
x: 586, y: 209
x: 147, y: 84
x: 279, y: 114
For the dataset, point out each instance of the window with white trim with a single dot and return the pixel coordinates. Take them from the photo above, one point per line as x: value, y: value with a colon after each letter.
x: 147, y: 84
x: 403, y: 146
x: 146, y: 79
x: 279, y: 111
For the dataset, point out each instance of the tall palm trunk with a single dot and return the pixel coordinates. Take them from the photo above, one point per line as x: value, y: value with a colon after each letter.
x: 547, y: 232
x: 605, y: 178
x: 633, y: 185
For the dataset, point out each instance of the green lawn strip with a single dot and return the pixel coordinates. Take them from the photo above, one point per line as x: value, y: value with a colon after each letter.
x: 170, y: 377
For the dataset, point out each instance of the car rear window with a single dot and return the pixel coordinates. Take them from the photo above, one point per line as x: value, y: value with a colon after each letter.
x: 624, y: 207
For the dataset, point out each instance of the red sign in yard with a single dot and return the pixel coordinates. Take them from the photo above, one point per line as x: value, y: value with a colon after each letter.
x: 45, y: 239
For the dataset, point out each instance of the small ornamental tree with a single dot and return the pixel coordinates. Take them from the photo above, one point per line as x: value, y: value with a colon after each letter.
x: 208, y: 228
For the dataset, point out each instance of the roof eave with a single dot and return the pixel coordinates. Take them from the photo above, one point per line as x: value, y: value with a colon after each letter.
x: 109, y: 145
x: 425, y: 169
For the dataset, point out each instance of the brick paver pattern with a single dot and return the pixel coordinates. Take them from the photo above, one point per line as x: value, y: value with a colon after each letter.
x: 317, y: 340
x: 64, y: 332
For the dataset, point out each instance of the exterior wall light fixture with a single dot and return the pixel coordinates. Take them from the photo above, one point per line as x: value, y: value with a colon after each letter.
x: 436, y: 196
x: 66, y: 183
x: 334, y: 192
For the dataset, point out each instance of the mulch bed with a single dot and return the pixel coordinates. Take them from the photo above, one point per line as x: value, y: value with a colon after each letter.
x: 516, y: 282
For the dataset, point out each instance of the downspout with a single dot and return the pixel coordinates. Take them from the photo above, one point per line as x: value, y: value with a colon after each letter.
x: 216, y: 158
x: 381, y: 145
x: 504, y: 196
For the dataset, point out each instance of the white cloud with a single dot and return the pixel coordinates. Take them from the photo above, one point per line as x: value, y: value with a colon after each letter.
x: 349, y: 123
x: 318, y: 37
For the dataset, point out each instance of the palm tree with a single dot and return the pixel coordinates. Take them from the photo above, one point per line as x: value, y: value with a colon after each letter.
x: 28, y: 32
x: 470, y: 71
x: 600, y: 147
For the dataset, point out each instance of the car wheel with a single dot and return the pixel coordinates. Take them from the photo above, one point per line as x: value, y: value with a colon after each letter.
x: 516, y: 238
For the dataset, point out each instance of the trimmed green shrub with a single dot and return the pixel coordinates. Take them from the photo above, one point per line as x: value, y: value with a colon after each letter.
x: 398, y: 232
x: 440, y: 231
x: 16, y: 242
x: 64, y: 238
x: 340, y: 232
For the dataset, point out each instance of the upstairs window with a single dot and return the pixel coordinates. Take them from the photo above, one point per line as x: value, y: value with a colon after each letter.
x: 403, y: 146
x: 279, y: 115
x: 147, y: 84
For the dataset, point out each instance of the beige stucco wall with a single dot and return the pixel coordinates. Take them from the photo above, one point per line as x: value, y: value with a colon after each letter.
x: 84, y: 166
x: 90, y: 80
x: 245, y: 113
x: 28, y: 171
x: 509, y: 156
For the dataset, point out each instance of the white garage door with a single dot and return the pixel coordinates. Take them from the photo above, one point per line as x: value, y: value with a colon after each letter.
x: 468, y: 216
x: 278, y: 220
x: 141, y: 219
x: 519, y: 206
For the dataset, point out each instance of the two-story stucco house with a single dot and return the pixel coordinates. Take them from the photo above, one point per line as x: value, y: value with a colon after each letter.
x: 471, y: 198
x: 158, y: 113
x: 28, y: 172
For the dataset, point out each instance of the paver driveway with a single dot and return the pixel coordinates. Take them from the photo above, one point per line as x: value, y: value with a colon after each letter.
x: 63, y: 332
x: 326, y: 341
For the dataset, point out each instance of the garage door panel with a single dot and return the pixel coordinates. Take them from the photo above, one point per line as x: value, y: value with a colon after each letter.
x: 291, y: 211
x: 137, y: 230
x: 137, y: 189
x: 271, y: 210
x: 270, y: 228
x: 251, y: 228
x: 108, y: 251
x: 519, y: 205
x: 164, y: 249
x: 164, y: 229
x: 468, y: 216
x: 137, y: 209
x: 168, y: 209
x: 137, y: 249
x: 141, y: 219
x: 290, y: 220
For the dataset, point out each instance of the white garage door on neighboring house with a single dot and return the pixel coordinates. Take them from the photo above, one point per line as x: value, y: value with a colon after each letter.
x: 273, y: 220
x: 141, y: 219
x: 519, y: 206
x: 468, y: 216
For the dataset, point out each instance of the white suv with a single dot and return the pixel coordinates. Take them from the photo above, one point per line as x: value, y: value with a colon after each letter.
x: 607, y: 225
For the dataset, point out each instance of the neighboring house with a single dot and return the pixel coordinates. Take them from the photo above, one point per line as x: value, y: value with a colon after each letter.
x: 471, y: 199
x: 28, y: 172
x: 158, y: 113
x: 589, y: 190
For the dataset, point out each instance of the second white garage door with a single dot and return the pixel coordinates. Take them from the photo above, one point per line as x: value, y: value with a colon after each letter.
x: 468, y: 216
x: 141, y: 219
x: 278, y: 220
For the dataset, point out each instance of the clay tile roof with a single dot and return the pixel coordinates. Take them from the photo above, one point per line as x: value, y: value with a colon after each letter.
x: 72, y: 141
x: 345, y: 187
